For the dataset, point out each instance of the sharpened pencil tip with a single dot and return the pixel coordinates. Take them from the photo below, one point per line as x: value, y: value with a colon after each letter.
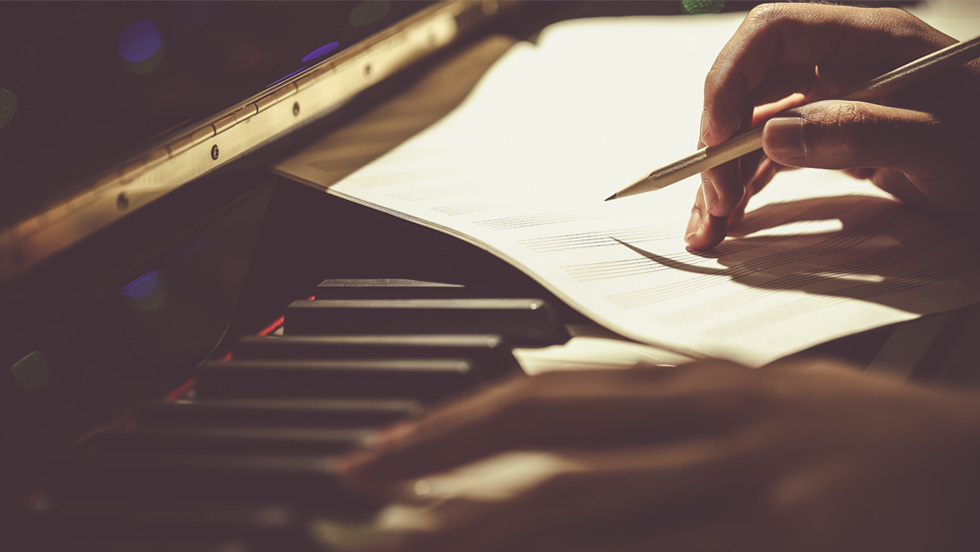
x: 611, y: 197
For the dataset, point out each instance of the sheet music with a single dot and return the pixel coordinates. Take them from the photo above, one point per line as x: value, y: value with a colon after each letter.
x: 523, y: 165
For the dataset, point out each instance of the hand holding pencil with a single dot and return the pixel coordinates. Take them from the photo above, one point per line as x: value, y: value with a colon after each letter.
x: 918, y: 143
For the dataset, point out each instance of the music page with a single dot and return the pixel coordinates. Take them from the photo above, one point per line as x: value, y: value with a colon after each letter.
x: 523, y: 165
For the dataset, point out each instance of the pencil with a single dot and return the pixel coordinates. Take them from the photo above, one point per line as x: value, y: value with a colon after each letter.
x: 746, y: 142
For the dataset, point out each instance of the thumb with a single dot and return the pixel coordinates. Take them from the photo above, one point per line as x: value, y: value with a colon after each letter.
x: 838, y: 134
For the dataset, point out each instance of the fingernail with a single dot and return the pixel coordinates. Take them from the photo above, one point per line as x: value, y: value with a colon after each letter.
x: 694, y: 225
x: 783, y: 138
x: 710, y: 195
x: 705, y: 125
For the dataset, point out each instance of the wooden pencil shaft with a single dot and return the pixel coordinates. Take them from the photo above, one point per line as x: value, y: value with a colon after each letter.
x: 697, y: 162
x: 911, y: 73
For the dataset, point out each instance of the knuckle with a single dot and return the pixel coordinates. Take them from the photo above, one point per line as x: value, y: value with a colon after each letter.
x: 903, y: 28
x: 714, y: 80
x: 766, y: 13
x: 895, y: 15
x: 898, y: 21
x: 850, y: 124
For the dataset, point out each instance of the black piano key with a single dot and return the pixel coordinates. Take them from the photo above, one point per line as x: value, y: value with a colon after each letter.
x: 277, y: 412
x: 311, y: 482
x: 390, y: 288
x: 420, y: 379
x: 175, y: 526
x: 204, y: 439
x: 523, y: 321
x: 491, y: 353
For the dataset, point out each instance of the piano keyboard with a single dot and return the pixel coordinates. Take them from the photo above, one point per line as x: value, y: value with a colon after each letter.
x: 244, y: 460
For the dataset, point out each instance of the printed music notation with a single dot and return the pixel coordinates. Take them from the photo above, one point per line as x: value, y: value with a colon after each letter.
x: 522, y: 166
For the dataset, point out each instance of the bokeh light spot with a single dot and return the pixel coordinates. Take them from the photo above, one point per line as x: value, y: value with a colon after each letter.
x: 142, y: 287
x: 140, y: 41
x: 321, y: 51
x: 8, y: 106
x: 145, y: 293
x: 368, y: 12
x: 696, y: 7
x: 32, y: 371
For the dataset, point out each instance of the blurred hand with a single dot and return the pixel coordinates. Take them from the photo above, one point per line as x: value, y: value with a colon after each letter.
x: 808, y: 456
x: 919, y: 144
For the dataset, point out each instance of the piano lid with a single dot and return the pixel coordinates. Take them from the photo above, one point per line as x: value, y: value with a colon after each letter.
x: 161, y: 94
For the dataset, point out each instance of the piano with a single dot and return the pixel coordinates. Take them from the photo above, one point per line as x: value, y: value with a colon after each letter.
x: 188, y: 347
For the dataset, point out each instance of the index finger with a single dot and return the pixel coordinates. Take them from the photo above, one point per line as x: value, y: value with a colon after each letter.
x: 579, y: 409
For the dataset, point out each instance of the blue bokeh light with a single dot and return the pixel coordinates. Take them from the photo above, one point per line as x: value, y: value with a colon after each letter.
x: 142, y: 287
x: 321, y: 51
x: 140, y: 41
x: 145, y: 293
